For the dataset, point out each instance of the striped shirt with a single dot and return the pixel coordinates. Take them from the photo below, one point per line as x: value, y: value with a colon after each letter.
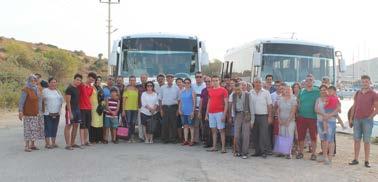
x: 112, y: 106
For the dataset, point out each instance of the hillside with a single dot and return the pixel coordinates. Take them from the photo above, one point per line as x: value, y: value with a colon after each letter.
x: 368, y: 67
x: 18, y: 59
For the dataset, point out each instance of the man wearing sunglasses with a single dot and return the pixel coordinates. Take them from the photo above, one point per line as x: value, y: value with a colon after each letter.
x: 197, y: 88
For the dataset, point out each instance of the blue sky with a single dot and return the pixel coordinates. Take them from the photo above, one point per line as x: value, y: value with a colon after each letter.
x: 81, y: 24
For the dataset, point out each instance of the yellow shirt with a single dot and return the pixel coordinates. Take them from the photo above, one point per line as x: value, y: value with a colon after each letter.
x: 131, y: 100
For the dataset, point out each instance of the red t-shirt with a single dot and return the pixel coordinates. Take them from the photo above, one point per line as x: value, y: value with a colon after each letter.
x: 85, y: 93
x: 217, y: 96
x: 365, y: 104
x: 332, y: 102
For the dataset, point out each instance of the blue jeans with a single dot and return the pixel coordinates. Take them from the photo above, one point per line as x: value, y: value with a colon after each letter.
x: 51, y: 126
x: 131, y: 118
x: 363, y: 127
x: 330, y: 135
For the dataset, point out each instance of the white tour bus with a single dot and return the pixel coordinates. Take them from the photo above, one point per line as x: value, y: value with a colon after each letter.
x: 286, y: 59
x: 156, y: 53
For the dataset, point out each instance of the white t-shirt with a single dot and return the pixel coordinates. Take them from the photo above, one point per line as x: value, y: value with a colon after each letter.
x: 198, y: 89
x: 53, y: 100
x: 150, y: 100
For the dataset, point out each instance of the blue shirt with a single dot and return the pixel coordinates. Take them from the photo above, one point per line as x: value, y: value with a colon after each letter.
x: 186, y: 98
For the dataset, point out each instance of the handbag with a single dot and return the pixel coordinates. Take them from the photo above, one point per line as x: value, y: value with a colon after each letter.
x: 283, y: 144
x: 122, y: 132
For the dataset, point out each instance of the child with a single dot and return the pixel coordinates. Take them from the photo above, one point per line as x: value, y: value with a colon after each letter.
x: 331, y: 105
x: 111, y: 116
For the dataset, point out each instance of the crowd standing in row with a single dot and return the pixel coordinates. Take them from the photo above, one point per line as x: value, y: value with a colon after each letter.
x: 263, y: 116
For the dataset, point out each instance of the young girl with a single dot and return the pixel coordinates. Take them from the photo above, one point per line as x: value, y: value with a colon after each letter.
x: 111, y: 116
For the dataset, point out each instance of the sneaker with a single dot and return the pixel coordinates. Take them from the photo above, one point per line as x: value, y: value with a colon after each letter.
x: 299, y: 156
x: 244, y: 157
x: 367, y: 164
x: 353, y: 162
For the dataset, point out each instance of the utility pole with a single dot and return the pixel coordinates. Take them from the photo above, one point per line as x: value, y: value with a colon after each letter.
x: 109, y: 2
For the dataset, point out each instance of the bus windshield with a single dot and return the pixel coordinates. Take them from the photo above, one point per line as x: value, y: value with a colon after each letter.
x: 293, y: 62
x: 159, y: 55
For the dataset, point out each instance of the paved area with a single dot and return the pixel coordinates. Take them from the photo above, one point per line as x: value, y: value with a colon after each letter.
x: 157, y: 162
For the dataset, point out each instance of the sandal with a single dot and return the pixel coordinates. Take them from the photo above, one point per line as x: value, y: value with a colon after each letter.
x: 68, y: 148
x: 313, y: 157
x: 48, y: 146
x: 75, y: 146
x: 55, y: 146
x: 212, y: 150
x: 87, y: 144
x: 27, y: 149
x: 34, y: 148
x: 223, y: 151
x: 299, y: 156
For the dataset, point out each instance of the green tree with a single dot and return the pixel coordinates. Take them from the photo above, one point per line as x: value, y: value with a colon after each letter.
x: 213, y: 68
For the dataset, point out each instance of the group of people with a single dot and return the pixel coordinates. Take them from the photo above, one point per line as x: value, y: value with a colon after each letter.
x: 175, y: 110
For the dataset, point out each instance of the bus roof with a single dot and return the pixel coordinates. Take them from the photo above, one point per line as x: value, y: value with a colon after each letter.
x: 160, y: 35
x: 277, y: 41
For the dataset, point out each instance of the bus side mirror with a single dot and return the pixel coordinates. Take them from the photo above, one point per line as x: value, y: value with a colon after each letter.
x: 256, y: 57
x: 204, y: 57
x: 192, y: 66
x: 342, y: 65
x: 341, y: 61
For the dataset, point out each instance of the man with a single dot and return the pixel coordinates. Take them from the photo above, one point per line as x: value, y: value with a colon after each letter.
x: 206, y: 131
x: 169, y: 96
x: 261, y: 102
x: 141, y: 88
x: 108, y: 87
x: 85, y: 92
x: 326, y: 81
x: 307, y: 116
x: 269, y: 84
x: 216, y: 113
x: 197, y: 88
x: 365, y: 108
x: 41, y: 82
x: 73, y: 116
x: 160, y: 83
x: 273, y: 128
x: 241, y: 113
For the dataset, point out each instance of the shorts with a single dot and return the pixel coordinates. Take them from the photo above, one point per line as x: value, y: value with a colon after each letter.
x: 330, y: 135
x: 306, y: 123
x: 86, y: 118
x: 215, y: 120
x: 111, y: 122
x: 363, y: 128
x: 72, y: 117
x: 185, y: 120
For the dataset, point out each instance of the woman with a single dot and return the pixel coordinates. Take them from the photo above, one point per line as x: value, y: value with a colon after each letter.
x: 97, y: 99
x: 180, y: 85
x: 148, y: 110
x: 326, y: 138
x: 186, y: 111
x: 287, y: 107
x: 30, y: 109
x: 296, y: 87
x: 130, y: 101
x: 53, y: 100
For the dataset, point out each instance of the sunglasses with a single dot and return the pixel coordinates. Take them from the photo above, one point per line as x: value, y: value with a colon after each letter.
x: 207, y: 81
x: 198, y: 76
x: 149, y: 85
x: 187, y: 82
